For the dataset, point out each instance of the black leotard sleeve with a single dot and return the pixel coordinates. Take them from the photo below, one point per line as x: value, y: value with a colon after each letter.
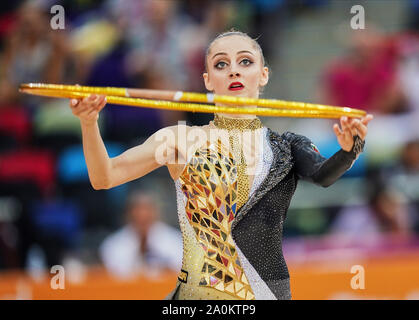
x: 311, y: 166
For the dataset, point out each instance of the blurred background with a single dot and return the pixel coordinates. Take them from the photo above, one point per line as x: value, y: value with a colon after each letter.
x: 124, y: 243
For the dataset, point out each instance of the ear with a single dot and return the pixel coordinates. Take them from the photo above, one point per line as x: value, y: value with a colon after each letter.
x: 207, y: 82
x: 265, y: 77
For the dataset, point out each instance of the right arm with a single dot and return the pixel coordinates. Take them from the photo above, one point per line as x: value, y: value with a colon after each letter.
x: 105, y: 172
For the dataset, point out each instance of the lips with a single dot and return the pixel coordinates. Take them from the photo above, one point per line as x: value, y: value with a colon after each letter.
x: 236, y: 86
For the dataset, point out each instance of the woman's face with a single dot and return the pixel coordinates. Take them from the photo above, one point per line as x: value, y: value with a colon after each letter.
x: 233, y: 59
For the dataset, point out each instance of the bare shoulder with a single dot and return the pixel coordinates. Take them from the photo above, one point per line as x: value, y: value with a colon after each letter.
x: 181, y: 134
x: 176, y: 129
x: 182, y: 139
x: 169, y: 134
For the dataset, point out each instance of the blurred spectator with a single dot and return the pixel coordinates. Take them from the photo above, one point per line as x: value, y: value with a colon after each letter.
x: 409, y: 160
x: 33, y: 52
x: 145, y: 243
x: 154, y: 40
x: 56, y: 225
x: 148, y: 55
x: 366, y: 77
x: 386, y: 213
x: 414, y: 14
x: 268, y: 19
x: 403, y: 175
x: 90, y: 42
x: 409, y: 68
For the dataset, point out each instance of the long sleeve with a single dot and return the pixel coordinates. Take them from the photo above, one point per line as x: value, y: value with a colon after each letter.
x: 311, y: 166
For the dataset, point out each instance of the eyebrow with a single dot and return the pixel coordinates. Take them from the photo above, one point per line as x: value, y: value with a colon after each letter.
x: 223, y: 53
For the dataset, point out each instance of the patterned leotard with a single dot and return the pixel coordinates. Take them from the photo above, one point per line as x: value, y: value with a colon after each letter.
x: 213, y: 265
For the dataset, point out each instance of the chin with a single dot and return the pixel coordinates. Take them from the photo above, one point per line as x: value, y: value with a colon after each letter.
x: 246, y: 95
x: 238, y: 93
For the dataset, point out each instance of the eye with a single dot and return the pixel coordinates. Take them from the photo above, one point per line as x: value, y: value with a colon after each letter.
x: 217, y: 65
x: 248, y: 62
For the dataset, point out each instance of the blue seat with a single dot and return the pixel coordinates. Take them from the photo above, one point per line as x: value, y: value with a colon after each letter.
x: 59, y: 219
x: 72, y: 165
x: 329, y: 147
x: 98, y: 205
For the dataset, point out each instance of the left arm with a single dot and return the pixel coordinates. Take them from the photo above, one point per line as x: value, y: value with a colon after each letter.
x: 312, y: 166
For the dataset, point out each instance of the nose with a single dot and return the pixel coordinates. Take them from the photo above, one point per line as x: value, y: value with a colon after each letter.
x: 234, y: 73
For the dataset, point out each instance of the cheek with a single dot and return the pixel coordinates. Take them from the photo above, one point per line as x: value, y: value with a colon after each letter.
x: 218, y: 80
x: 254, y: 78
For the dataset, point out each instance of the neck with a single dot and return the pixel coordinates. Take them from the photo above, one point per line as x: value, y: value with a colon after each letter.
x: 224, y: 121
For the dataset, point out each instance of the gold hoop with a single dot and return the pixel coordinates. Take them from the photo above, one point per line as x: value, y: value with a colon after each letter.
x: 176, y: 101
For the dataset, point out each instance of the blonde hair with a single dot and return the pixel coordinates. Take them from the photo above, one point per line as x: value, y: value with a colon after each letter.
x: 234, y: 32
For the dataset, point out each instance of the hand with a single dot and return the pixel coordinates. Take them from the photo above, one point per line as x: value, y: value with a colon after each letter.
x: 87, y: 109
x: 350, y: 128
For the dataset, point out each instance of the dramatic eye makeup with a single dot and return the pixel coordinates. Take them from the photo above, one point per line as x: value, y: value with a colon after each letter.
x: 223, y: 53
x: 247, y: 61
x: 218, y: 64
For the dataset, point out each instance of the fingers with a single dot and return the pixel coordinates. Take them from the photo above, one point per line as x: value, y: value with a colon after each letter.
x: 347, y: 127
x: 365, y: 120
x: 362, y: 129
x: 361, y: 125
x: 350, y: 128
x: 81, y: 105
x: 87, y: 109
x: 352, y: 125
x: 92, y: 103
x: 337, y: 130
x: 356, y: 126
x: 344, y: 134
x: 100, y: 103
x: 74, y: 102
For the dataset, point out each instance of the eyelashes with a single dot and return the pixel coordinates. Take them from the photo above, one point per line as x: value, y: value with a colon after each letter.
x: 220, y: 65
x: 217, y: 64
x: 249, y: 62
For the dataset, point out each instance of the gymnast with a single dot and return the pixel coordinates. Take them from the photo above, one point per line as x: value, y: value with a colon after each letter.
x: 234, y: 187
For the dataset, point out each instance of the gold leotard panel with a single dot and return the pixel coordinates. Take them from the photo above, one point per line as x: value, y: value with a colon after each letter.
x: 209, y: 186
